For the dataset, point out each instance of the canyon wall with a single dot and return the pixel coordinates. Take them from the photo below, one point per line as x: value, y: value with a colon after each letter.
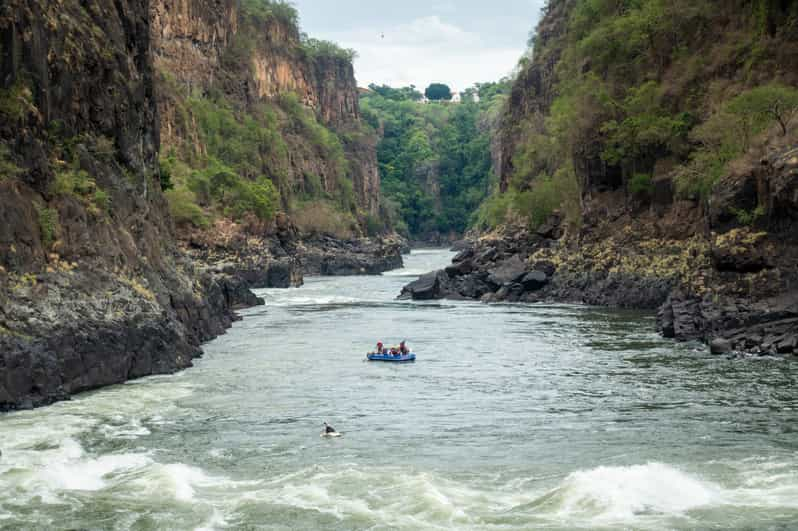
x: 93, y: 290
x: 252, y: 59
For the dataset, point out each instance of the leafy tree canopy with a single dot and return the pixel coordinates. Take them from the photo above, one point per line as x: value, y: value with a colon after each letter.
x: 438, y: 92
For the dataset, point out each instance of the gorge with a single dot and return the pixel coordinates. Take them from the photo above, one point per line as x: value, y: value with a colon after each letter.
x: 610, y: 342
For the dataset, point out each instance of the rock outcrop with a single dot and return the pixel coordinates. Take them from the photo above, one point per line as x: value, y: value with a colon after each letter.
x: 93, y: 289
x: 334, y: 257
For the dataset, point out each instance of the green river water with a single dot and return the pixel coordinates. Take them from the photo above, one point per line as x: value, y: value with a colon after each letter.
x: 514, y: 417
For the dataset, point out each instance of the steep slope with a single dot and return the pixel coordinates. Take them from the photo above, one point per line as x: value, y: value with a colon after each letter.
x: 92, y: 288
x: 263, y: 142
x: 250, y: 63
x: 646, y: 159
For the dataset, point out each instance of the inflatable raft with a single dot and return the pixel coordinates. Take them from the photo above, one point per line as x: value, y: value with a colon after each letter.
x: 391, y: 358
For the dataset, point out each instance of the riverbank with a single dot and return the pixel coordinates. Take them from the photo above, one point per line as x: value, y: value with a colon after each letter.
x: 716, y: 289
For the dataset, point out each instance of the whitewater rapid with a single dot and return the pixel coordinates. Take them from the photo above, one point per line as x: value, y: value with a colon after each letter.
x: 555, y: 417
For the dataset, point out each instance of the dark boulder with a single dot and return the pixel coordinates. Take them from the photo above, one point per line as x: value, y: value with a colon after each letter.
x: 552, y: 228
x: 474, y: 286
x: 283, y: 274
x: 460, y: 269
x: 720, y: 345
x: 461, y: 245
x: 681, y: 317
x: 510, y: 270
x: 546, y: 267
x: 488, y: 255
x: 428, y: 287
x: 463, y: 255
x: 534, y: 280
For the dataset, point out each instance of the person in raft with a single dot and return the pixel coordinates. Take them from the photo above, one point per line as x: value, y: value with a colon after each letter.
x: 403, y: 350
x: 379, y: 348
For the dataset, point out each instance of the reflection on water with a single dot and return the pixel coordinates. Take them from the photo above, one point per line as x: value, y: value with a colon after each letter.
x: 514, y: 417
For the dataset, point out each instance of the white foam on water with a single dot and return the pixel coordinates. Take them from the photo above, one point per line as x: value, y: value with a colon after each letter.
x: 622, y: 494
x: 121, y: 429
x: 88, y: 474
x: 320, y: 300
x: 216, y: 521
x: 387, y: 497
x: 408, y: 272
x: 176, y: 480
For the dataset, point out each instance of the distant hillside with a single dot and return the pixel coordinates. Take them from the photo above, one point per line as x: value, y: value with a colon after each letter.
x: 434, y: 157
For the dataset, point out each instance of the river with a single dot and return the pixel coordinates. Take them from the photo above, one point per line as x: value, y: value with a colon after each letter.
x: 513, y: 417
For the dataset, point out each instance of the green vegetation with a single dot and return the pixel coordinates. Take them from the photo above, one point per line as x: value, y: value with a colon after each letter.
x: 264, y: 10
x: 758, y: 107
x: 15, y: 101
x: 48, y: 225
x: 438, y: 92
x: 545, y: 195
x: 729, y: 133
x: 631, y: 92
x: 748, y: 218
x: 242, y: 172
x: 434, y: 159
x: 8, y: 168
x: 640, y: 184
x: 322, y: 216
x: 321, y: 49
x: 72, y: 181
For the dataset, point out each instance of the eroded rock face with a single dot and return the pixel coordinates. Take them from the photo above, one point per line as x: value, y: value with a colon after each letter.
x: 197, y: 47
x: 93, y: 289
x: 428, y: 287
x: 332, y: 257
x: 768, y: 326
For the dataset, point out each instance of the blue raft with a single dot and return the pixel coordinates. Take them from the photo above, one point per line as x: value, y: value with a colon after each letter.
x: 406, y: 358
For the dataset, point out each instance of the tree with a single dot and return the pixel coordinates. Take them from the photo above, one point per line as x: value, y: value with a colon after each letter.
x: 770, y: 102
x: 438, y: 91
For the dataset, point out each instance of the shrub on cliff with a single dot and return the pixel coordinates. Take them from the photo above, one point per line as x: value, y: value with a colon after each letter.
x: 766, y: 104
x: 322, y: 49
x: 730, y: 132
x: 322, y: 217
x: 267, y: 9
x: 184, y: 209
x: 8, y: 168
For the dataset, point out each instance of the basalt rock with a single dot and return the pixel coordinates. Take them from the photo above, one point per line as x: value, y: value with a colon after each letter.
x: 93, y: 288
x: 428, y: 287
x: 534, y: 280
x: 333, y: 257
x: 720, y: 346
x: 508, y: 271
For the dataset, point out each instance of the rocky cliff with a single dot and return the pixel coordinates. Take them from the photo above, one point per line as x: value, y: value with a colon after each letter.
x: 93, y: 290
x: 654, y: 127
x: 252, y: 59
x: 224, y: 64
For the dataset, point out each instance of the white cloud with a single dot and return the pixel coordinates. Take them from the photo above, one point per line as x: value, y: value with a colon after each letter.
x: 427, y: 50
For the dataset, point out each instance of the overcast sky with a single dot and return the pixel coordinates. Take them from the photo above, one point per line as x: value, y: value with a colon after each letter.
x: 458, y: 42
